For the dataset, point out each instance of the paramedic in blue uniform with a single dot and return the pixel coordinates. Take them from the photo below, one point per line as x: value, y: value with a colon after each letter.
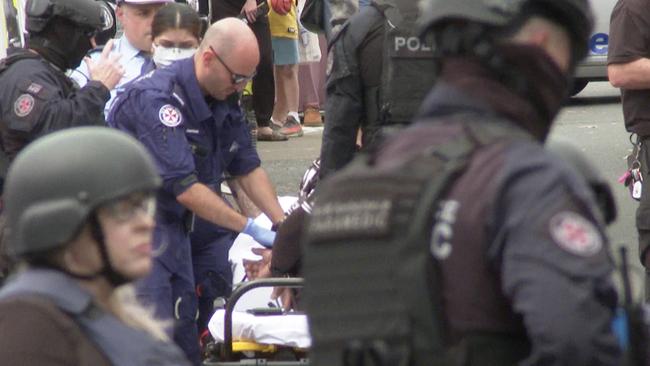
x: 184, y: 115
x: 133, y: 49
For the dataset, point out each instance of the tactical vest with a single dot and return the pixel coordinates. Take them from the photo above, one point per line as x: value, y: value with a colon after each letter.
x: 373, y: 285
x: 408, y: 70
x: 121, y: 344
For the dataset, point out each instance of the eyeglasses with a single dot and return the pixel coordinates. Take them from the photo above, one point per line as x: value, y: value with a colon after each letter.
x: 236, y: 78
x: 125, y: 209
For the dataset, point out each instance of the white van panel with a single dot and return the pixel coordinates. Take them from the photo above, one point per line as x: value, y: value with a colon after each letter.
x: 594, y: 67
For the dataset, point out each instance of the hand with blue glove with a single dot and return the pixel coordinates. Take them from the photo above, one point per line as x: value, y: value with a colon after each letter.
x: 260, y: 234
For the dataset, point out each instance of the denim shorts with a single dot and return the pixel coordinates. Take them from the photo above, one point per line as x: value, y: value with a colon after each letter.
x: 285, y: 51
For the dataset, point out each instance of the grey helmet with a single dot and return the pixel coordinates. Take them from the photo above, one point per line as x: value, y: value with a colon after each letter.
x: 56, y: 182
x: 86, y: 14
x: 575, y: 15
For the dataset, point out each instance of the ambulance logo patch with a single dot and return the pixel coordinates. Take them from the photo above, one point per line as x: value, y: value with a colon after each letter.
x: 170, y: 116
x: 575, y: 234
x: 23, y: 105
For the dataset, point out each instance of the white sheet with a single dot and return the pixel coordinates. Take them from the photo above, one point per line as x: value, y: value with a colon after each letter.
x: 240, y: 250
x: 287, y: 330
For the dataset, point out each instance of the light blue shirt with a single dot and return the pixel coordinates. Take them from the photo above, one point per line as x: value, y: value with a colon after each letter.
x: 132, y: 61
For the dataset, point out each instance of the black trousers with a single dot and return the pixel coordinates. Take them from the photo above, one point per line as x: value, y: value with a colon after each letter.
x: 263, y: 82
x: 643, y: 212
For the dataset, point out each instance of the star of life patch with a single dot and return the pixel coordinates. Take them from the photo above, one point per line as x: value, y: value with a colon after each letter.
x: 23, y: 105
x: 170, y: 116
x: 575, y: 234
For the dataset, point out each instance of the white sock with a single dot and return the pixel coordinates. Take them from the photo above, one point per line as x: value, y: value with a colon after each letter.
x: 294, y: 115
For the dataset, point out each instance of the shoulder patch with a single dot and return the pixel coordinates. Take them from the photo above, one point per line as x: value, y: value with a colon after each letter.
x: 575, y: 234
x: 24, y: 105
x: 170, y: 116
x: 34, y: 88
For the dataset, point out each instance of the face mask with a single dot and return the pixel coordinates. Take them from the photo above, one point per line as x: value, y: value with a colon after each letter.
x: 163, y: 56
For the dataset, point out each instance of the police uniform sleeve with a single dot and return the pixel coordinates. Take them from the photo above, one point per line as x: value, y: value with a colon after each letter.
x: 344, y: 108
x: 157, y: 122
x: 39, y: 104
x: 244, y: 155
x: 555, y: 266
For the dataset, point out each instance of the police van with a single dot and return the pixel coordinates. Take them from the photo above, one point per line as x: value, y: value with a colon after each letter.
x: 594, y: 67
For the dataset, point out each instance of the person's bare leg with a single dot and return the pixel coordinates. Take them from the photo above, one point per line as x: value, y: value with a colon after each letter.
x: 280, y: 109
x: 292, y: 88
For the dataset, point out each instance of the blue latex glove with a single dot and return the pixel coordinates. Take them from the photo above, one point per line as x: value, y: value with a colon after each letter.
x: 621, y: 329
x: 260, y: 234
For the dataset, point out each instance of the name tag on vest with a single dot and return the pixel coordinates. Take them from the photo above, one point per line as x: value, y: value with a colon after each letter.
x: 355, y: 219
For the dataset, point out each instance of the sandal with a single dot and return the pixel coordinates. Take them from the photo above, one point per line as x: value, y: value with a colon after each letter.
x: 273, y: 136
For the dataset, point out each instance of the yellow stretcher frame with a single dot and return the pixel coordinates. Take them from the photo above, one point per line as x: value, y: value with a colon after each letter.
x: 232, y: 350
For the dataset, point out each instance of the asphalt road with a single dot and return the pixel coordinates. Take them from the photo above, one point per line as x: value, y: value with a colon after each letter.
x: 592, y: 121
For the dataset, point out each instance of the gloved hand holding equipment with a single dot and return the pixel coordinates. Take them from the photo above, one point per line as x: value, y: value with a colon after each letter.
x: 260, y: 234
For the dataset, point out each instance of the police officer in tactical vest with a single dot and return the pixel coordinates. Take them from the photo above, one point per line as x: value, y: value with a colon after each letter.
x: 80, y: 208
x: 462, y: 241
x: 37, y: 97
x: 381, y: 72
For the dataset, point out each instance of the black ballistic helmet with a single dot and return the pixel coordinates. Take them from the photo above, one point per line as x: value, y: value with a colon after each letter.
x: 575, y: 15
x: 55, y: 183
x: 110, y: 24
x: 87, y: 14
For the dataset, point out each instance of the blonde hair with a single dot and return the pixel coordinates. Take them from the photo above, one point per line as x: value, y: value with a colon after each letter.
x: 126, y: 307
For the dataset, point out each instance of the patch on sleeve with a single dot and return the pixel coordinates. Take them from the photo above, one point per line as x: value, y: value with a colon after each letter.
x: 170, y: 116
x: 24, y: 105
x: 34, y: 88
x: 575, y: 234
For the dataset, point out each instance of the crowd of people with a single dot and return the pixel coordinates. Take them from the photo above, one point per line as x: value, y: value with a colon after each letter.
x: 435, y: 229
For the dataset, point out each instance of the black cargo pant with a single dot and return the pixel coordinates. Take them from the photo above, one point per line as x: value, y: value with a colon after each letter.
x: 263, y: 82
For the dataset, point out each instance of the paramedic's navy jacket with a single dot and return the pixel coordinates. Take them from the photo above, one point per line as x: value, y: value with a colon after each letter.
x: 192, y: 138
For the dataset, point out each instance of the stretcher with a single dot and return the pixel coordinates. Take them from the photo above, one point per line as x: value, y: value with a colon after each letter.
x: 241, y: 338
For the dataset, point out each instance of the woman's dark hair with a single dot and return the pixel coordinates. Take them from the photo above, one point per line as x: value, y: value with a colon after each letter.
x: 176, y: 16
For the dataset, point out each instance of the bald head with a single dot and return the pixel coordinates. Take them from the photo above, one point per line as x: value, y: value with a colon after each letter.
x: 232, y: 38
x: 227, y: 58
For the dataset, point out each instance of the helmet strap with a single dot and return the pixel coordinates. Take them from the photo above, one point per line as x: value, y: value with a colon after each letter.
x: 114, y: 277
